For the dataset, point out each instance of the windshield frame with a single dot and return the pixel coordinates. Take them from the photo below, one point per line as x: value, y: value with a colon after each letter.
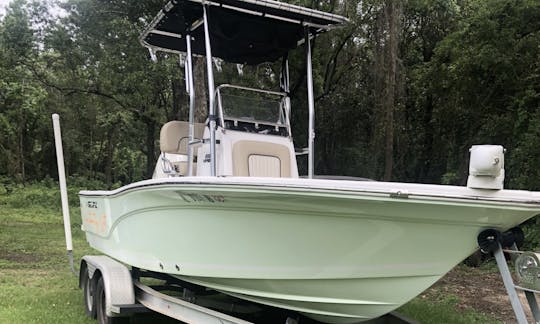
x: 283, y: 107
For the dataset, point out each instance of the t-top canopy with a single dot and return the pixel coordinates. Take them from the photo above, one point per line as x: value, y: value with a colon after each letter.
x: 241, y: 31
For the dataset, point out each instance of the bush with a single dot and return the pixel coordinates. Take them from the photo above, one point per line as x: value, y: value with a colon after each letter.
x: 531, y: 229
x: 44, y: 194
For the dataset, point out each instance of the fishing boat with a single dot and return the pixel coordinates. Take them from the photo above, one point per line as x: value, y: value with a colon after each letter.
x: 227, y: 209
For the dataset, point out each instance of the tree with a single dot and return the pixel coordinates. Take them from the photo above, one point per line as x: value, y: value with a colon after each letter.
x: 485, y: 84
x: 97, y: 43
x: 401, y: 92
x: 20, y: 97
x: 425, y: 25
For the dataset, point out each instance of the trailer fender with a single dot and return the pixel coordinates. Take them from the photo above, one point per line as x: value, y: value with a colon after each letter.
x: 116, y: 278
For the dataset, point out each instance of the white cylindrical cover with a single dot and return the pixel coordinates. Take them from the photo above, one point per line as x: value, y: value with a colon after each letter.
x: 486, y: 160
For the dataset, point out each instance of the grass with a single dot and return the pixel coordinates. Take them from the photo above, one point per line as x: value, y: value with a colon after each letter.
x: 37, y: 286
x: 445, y: 310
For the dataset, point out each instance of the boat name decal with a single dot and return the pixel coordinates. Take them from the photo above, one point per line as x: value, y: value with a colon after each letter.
x: 196, y: 197
x: 399, y: 194
x: 92, y: 204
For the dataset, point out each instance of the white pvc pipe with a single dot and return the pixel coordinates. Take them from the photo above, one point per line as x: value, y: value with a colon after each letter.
x: 63, y: 188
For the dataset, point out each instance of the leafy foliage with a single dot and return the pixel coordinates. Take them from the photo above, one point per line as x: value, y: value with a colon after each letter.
x: 467, y: 72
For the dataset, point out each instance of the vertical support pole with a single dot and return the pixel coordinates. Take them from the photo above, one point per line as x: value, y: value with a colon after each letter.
x: 211, y: 110
x: 63, y: 188
x: 191, y: 91
x: 311, y: 106
x: 286, y: 88
x: 509, y: 285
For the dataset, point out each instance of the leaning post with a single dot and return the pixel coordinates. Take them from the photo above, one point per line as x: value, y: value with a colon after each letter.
x: 63, y: 188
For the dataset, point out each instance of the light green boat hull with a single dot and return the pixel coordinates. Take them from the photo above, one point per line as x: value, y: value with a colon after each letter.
x: 340, y: 256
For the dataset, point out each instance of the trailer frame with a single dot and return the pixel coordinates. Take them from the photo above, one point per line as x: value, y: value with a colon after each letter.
x: 113, y: 291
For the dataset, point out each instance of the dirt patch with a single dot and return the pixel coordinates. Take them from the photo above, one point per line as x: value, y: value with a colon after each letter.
x: 480, y: 289
x: 19, y: 257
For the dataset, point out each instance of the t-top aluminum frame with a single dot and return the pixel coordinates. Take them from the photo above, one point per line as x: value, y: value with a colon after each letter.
x: 191, y: 90
x: 211, y: 110
x: 311, y: 105
x: 211, y: 98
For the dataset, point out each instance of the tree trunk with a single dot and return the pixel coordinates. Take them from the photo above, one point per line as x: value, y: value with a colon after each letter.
x: 110, y: 156
x: 393, y: 9
x: 21, y: 155
x: 150, y: 146
x: 201, y: 92
x: 386, y: 87
x: 20, y: 147
x: 424, y: 174
x: 178, y: 111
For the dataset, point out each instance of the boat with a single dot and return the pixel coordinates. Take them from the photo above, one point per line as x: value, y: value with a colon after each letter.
x: 227, y: 209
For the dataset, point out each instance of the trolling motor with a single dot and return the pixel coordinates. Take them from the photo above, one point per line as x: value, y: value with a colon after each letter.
x: 489, y: 239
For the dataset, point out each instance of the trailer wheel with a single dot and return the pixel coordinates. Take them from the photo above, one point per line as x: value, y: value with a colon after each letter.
x: 101, y: 306
x: 89, y: 295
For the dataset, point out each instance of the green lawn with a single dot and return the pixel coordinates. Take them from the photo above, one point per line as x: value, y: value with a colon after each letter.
x: 443, y: 311
x: 37, y: 286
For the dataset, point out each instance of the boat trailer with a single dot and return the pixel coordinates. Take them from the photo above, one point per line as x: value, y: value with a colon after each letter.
x: 113, y: 292
x: 527, y: 269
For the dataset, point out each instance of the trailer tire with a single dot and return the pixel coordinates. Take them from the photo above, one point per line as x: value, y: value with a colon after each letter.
x: 89, y: 295
x: 101, y: 306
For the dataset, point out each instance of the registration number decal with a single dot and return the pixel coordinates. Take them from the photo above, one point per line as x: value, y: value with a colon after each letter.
x: 199, y: 198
